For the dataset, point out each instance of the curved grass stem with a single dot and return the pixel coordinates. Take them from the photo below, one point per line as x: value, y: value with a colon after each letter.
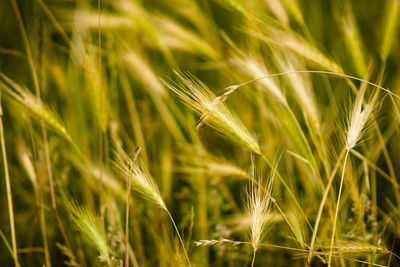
x: 179, y: 236
x: 318, y: 72
x: 288, y: 189
x: 321, y: 206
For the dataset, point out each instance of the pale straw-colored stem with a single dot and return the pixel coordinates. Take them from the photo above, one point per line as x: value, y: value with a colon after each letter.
x: 128, y: 192
x: 179, y: 236
x: 288, y: 189
x: 318, y: 72
x: 37, y: 91
x: 337, y: 209
x: 321, y: 206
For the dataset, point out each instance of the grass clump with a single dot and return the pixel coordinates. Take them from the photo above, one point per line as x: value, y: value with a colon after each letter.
x: 126, y: 107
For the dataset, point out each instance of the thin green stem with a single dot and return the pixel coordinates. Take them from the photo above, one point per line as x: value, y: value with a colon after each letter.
x: 8, y: 189
x: 101, y: 130
x: 32, y: 67
x: 128, y: 192
x: 288, y: 189
x: 321, y: 206
x: 6, y: 243
x: 378, y: 170
x: 43, y: 229
x: 179, y: 236
x: 55, y: 22
x: 313, y: 163
x: 254, y: 258
x: 337, y: 208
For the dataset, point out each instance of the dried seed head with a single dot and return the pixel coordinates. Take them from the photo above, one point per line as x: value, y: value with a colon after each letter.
x: 92, y: 228
x: 258, y: 206
x: 213, y: 111
x: 359, y: 117
x: 142, y: 181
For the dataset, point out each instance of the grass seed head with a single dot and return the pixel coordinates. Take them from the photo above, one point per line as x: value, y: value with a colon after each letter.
x: 214, y: 112
x: 91, y: 226
x: 359, y: 117
x: 142, y: 181
x: 258, y: 206
x: 349, y: 248
x: 36, y: 107
x: 208, y: 164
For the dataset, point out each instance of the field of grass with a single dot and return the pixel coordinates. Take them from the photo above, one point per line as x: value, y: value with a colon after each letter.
x: 199, y: 133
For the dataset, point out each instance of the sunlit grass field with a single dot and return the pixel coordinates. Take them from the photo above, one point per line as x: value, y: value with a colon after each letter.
x: 199, y: 133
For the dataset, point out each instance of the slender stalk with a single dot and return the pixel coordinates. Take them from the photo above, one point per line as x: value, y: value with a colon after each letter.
x: 288, y: 189
x: 46, y: 147
x: 376, y: 168
x: 201, y: 184
x: 101, y: 104
x: 46, y: 144
x: 138, y: 237
x: 337, y: 207
x: 8, y: 188
x: 43, y: 227
x: 53, y: 19
x: 321, y: 206
x: 27, y: 46
x: 293, y: 197
x: 128, y: 192
x: 37, y: 92
x: 6, y: 243
x: 179, y: 236
x: 388, y: 161
x: 313, y: 163
x: 134, y: 116
x: 42, y: 215
x: 284, y: 217
x: 254, y: 258
x: 317, y: 72
x: 278, y: 208
x: 48, y: 167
